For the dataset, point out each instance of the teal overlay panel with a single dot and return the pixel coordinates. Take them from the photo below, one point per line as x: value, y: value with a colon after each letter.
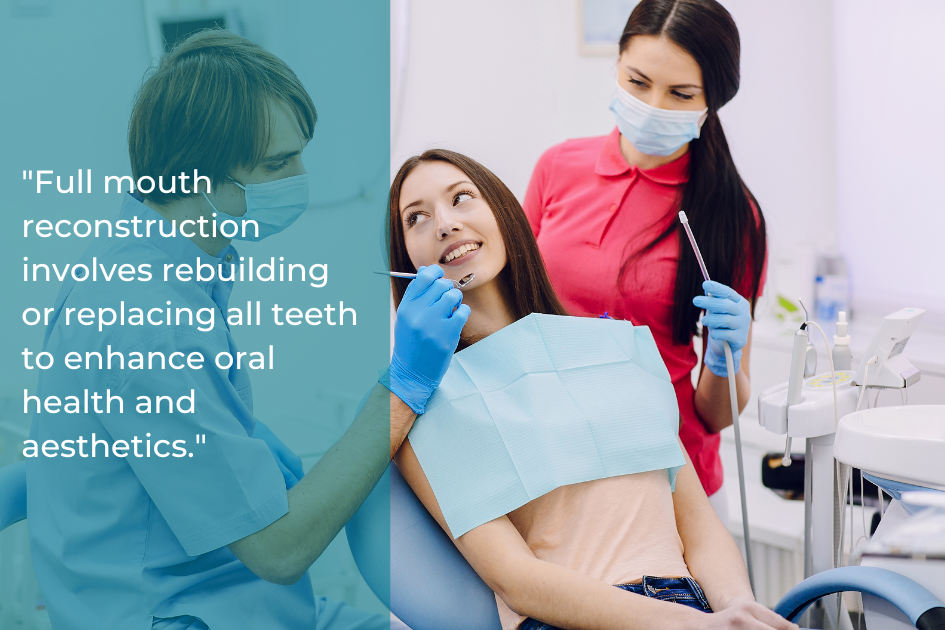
x: 142, y: 541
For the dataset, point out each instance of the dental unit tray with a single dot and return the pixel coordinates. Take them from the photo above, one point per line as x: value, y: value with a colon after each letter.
x: 814, y: 415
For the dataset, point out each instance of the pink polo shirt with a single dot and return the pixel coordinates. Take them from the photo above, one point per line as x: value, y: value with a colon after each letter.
x: 590, y: 210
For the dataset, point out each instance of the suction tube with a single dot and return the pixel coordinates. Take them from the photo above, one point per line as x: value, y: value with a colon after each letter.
x: 733, y: 398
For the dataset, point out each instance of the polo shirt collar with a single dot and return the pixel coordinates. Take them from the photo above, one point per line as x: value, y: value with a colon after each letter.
x: 611, y: 163
x: 181, y: 249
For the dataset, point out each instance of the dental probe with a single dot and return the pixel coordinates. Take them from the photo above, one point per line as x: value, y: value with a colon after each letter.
x: 459, y: 284
x: 692, y: 241
x: 733, y: 398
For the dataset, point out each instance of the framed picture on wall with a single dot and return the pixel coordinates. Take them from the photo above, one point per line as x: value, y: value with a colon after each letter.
x: 167, y: 22
x: 600, y: 23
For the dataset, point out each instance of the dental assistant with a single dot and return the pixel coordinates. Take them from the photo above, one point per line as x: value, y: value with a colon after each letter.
x: 604, y: 212
x: 224, y: 538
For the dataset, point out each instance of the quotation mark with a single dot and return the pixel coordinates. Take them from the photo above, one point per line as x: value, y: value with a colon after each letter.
x: 201, y: 439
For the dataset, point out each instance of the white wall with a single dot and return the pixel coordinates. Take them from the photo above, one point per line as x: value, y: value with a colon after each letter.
x: 890, y: 120
x: 500, y: 81
x: 837, y: 127
x: 503, y: 81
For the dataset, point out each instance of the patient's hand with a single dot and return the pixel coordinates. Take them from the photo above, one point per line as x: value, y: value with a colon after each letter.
x: 744, y: 614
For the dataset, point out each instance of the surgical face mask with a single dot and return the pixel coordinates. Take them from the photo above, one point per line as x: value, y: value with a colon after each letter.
x: 651, y: 130
x: 274, y: 206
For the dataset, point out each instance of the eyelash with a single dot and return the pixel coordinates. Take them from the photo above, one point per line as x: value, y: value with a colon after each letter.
x: 460, y: 193
x: 679, y: 95
x: 409, y: 220
x: 272, y: 168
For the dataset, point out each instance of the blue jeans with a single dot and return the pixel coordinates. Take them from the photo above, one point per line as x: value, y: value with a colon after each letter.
x: 683, y: 591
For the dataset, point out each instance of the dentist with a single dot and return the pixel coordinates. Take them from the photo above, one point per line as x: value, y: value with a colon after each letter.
x: 605, y: 209
x: 223, y: 538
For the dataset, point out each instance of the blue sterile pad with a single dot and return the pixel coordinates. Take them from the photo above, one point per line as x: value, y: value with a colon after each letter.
x: 546, y: 402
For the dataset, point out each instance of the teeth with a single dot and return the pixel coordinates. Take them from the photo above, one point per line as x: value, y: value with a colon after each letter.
x: 459, y: 251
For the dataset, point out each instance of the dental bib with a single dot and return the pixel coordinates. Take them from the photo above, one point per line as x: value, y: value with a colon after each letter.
x: 545, y: 402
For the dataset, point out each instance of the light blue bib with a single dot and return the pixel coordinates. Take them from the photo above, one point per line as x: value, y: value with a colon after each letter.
x: 546, y: 402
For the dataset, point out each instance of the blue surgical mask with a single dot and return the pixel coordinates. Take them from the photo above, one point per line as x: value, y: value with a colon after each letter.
x: 274, y: 206
x: 651, y: 130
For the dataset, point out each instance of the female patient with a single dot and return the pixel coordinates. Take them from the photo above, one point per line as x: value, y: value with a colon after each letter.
x: 555, y: 562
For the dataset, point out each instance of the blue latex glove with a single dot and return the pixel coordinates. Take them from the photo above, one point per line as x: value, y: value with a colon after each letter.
x: 429, y: 320
x: 289, y: 462
x: 727, y: 318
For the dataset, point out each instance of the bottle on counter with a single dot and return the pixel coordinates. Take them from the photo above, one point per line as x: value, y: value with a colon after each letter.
x: 831, y: 288
x: 842, y: 358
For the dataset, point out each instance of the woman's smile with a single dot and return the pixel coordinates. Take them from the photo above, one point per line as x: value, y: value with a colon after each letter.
x: 460, y: 253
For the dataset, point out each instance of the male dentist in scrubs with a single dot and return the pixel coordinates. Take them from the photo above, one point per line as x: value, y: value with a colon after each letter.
x: 142, y: 537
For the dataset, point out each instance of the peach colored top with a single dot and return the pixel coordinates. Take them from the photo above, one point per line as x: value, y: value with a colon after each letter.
x: 615, y: 530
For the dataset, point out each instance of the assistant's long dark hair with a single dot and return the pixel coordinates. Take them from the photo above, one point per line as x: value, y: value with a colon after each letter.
x: 718, y: 204
x: 523, y: 281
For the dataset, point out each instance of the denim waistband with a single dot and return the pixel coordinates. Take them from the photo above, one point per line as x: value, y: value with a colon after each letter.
x: 681, y: 590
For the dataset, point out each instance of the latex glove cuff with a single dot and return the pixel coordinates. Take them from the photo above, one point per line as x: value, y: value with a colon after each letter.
x: 716, y: 363
x: 411, y: 388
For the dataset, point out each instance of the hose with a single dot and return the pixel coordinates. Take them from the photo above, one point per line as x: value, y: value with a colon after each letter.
x: 733, y: 397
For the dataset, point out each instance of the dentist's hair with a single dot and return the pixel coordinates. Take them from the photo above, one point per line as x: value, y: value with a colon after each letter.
x: 208, y: 106
x: 524, y: 281
x: 724, y: 216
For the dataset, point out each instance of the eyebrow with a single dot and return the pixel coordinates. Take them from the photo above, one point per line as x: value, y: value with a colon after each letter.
x: 410, y: 205
x: 447, y: 189
x: 646, y: 78
x: 460, y: 182
x: 278, y: 157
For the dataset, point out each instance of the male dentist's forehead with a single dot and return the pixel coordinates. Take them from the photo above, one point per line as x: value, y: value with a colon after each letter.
x: 285, y: 135
x: 283, y: 153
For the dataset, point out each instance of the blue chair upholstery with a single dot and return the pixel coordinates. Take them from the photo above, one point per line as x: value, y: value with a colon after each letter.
x: 895, y: 489
x: 424, y: 580
x: 12, y: 494
x: 916, y: 602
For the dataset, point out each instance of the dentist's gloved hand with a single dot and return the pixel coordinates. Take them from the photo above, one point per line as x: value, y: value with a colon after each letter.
x: 429, y: 320
x: 289, y: 462
x: 727, y: 318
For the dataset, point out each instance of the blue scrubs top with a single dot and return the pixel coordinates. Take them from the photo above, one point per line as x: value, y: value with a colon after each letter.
x: 128, y: 542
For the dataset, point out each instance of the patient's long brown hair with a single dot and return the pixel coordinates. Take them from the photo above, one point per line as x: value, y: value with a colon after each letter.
x: 523, y: 281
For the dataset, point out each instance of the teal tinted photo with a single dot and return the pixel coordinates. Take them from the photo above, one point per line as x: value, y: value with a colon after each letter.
x: 195, y: 400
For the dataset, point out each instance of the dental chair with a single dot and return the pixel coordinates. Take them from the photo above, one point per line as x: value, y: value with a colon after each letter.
x: 12, y: 494
x: 428, y: 585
